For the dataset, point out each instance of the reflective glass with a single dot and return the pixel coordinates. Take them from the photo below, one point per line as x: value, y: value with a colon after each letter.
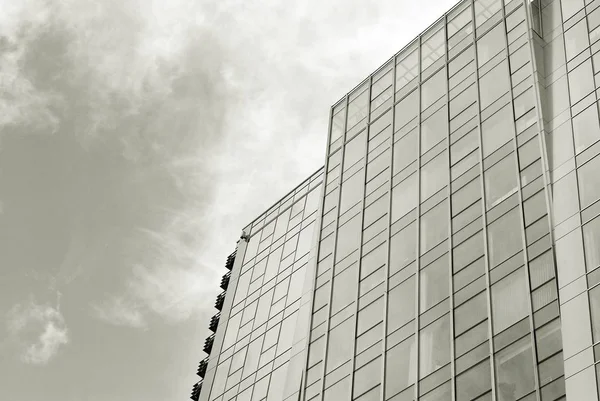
x: 344, y: 288
x: 494, y: 84
x: 576, y: 39
x: 514, y: 371
x: 490, y: 44
x: 505, y: 237
x: 497, y: 130
x: 591, y: 243
x: 589, y: 182
x: 434, y: 283
x: 510, y: 300
x: 581, y: 81
x: 595, y: 312
x: 340, y: 347
x: 434, y: 346
x: 404, y: 197
x: 403, y: 248
x: 474, y: 382
x: 433, y: 89
x: 400, y: 367
x: 434, y: 129
x: 401, y: 304
x: 500, y: 181
x: 586, y: 129
x: 405, y: 150
x: 434, y: 175
x: 434, y: 226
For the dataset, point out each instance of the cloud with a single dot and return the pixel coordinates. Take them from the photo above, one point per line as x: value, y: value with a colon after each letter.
x: 119, y: 312
x: 39, y: 331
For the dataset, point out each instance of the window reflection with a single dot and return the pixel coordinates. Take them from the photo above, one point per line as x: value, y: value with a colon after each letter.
x: 401, y: 364
x: 434, y: 346
x: 510, y: 300
x: 514, y: 371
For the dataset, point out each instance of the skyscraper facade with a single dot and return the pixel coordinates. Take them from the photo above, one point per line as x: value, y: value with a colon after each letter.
x: 454, y: 230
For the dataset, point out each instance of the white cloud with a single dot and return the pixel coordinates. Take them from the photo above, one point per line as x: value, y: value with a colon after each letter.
x: 119, y: 312
x: 39, y: 331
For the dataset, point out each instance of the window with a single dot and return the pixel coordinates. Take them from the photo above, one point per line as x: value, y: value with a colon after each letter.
x: 595, y: 312
x: 352, y: 191
x: 434, y: 129
x: 591, y: 242
x: 400, y: 367
x: 406, y: 110
x: 407, y: 68
x: 337, y: 125
x: 403, y: 248
x: 474, y: 382
x: 565, y: 197
x: 340, y: 344
x: 434, y: 226
x: 569, y: 257
x: 497, y: 130
x: 490, y: 44
x: 589, y: 182
x: 586, y: 130
x: 434, y: 346
x: 494, y: 84
x: 514, y: 371
x: 344, y: 289
x: 500, y: 181
x: 433, y: 89
x: 510, y: 300
x: 432, y: 49
x: 348, y: 238
x: 434, y: 284
x: 581, y: 82
x: 576, y: 330
x: 357, y: 109
x: 576, y: 39
x: 405, y: 150
x: 505, y: 237
x: 401, y: 304
x: 434, y: 175
x: 366, y: 377
x: 404, y: 197
x: 470, y: 313
x: 570, y: 7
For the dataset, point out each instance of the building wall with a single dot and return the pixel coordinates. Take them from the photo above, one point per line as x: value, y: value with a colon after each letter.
x: 253, y: 346
x: 436, y: 274
x: 569, y: 75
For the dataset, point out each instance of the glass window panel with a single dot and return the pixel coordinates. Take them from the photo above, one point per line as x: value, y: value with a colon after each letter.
x: 400, y: 367
x: 403, y: 247
x: 357, y: 109
x: 591, y: 243
x: 434, y: 175
x: 565, y: 197
x: 500, y: 181
x: 344, y: 289
x: 406, y: 110
x: 434, y: 226
x: 462, y: 19
x: 485, y: 9
x: 569, y: 257
x: 570, y: 7
x: 339, y: 391
x: 434, y: 283
x: 434, y: 129
x: 340, y: 348
x: 494, y: 84
x: 505, y: 237
x: 497, y: 130
x: 407, y: 68
x: 595, y: 312
x: 404, y: 197
x: 432, y: 49
x: 352, y: 191
x: 514, y: 371
x: 401, y: 304
x: 355, y: 150
x: 464, y: 146
x: 434, y: 346
x: 468, y: 251
x: 367, y: 377
x: 337, y: 125
x: 586, y: 129
x: 581, y: 82
x: 370, y: 315
x: 470, y: 313
x: 490, y: 44
x: 589, y: 182
x: 348, y: 238
x: 576, y: 330
x: 510, y: 300
x: 474, y: 382
x: 405, y: 150
x: 576, y: 39
x: 433, y: 89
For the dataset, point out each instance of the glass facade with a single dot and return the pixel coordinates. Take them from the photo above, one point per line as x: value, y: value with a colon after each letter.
x: 453, y: 249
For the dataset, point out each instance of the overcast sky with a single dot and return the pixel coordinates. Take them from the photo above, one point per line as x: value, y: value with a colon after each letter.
x: 137, y: 138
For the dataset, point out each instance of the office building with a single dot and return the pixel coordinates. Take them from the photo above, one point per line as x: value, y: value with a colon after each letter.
x: 451, y: 244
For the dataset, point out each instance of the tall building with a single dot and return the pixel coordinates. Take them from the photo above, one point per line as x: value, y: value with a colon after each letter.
x: 449, y: 249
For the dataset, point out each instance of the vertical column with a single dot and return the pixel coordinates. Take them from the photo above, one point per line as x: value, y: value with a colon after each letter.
x: 483, y: 208
x: 418, y: 221
x: 521, y: 210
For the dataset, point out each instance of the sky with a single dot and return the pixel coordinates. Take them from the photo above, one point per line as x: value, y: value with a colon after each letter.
x: 137, y: 139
